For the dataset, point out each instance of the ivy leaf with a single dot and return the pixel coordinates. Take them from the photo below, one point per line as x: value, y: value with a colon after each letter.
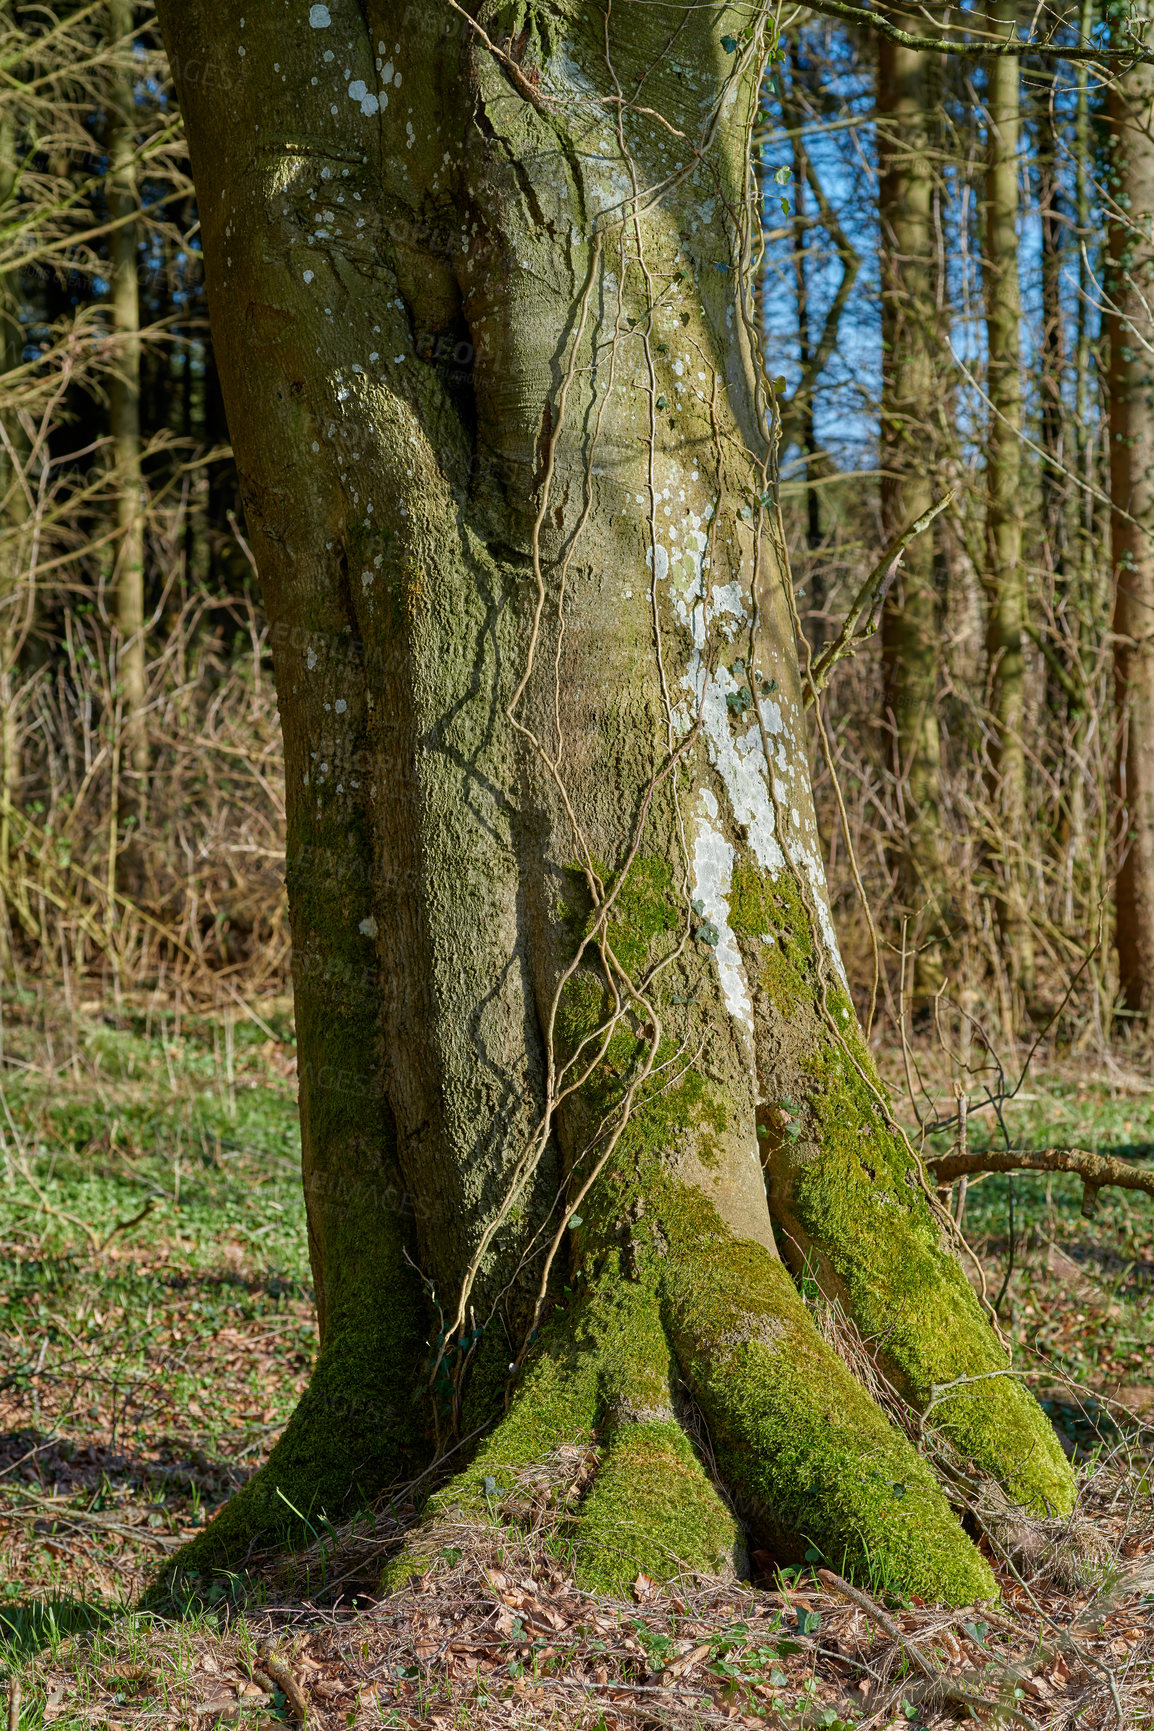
x: 899, y: 1490
x: 808, y: 1622
x: 782, y: 174
x: 729, y: 43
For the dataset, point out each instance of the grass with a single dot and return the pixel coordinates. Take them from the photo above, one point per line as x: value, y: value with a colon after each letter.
x: 156, y: 1329
x: 156, y: 1320
x: 1077, y: 1296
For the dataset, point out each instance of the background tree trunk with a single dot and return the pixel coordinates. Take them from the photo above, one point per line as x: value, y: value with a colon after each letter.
x: 14, y: 611
x: 1131, y: 331
x: 910, y: 622
x: 1005, y: 571
x: 565, y: 970
x: 124, y: 399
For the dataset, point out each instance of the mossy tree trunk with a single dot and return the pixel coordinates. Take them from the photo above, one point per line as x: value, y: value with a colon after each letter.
x: 1131, y: 280
x: 911, y: 627
x: 567, y: 986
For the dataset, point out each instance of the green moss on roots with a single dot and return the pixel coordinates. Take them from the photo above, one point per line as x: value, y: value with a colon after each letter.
x: 802, y: 1448
x: 653, y: 1511
x: 856, y: 1215
x: 864, y: 1212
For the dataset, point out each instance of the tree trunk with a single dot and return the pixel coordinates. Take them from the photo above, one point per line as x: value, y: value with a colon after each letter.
x: 124, y: 402
x: 804, y: 412
x: 911, y: 630
x: 564, y: 967
x: 1005, y: 571
x: 1132, y: 493
x: 1052, y: 355
x: 15, y: 610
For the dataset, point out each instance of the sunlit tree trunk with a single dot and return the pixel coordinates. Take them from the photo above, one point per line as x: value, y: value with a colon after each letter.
x: 911, y: 632
x: 124, y: 401
x: 1005, y: 570
x: 567, y: 989
x: 1130, y: 290
x: 1052, y: 355
x: 15, y: 603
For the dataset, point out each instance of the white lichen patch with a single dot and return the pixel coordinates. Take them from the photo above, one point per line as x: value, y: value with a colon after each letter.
x: 712, y: 875
x: 734, y: 737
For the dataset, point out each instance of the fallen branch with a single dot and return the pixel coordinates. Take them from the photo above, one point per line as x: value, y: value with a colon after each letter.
x: 1097, y: 1171
x: 278, y: 1672
x: 943, y: 1688
x: 123, y: 1225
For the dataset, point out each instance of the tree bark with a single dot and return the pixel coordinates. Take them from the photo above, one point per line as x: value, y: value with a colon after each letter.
x: 15, y: 610
x: 565, y: 974
x: 124, y: 401
x: 1131, y: 331
x: 1052, y: 350
x: 1005, y: 571
x: 910, y: 625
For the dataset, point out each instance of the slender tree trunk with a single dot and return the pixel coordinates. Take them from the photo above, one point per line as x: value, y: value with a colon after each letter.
x: 564, y: 966
x: 805, y: 418
x: 1005, y: 570
x: 1131, y: 331
x: 910, y: 626
x: 1052, y: 355
x: 124, y: 403
x: 14, y: 607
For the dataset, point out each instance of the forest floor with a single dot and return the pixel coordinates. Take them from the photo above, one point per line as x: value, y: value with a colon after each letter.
x: 156, y: 1329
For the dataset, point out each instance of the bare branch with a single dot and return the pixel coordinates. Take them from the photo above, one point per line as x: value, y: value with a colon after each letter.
x: 1097, y: 1171
x: 865, y: 611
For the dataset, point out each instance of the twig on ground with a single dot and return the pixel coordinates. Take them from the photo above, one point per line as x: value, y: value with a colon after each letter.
x: 274, y: 1667
x: 943, y: 1687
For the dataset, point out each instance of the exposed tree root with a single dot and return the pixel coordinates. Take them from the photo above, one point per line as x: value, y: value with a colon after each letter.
x: 805, y: 1456
x: 352, y: 1433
